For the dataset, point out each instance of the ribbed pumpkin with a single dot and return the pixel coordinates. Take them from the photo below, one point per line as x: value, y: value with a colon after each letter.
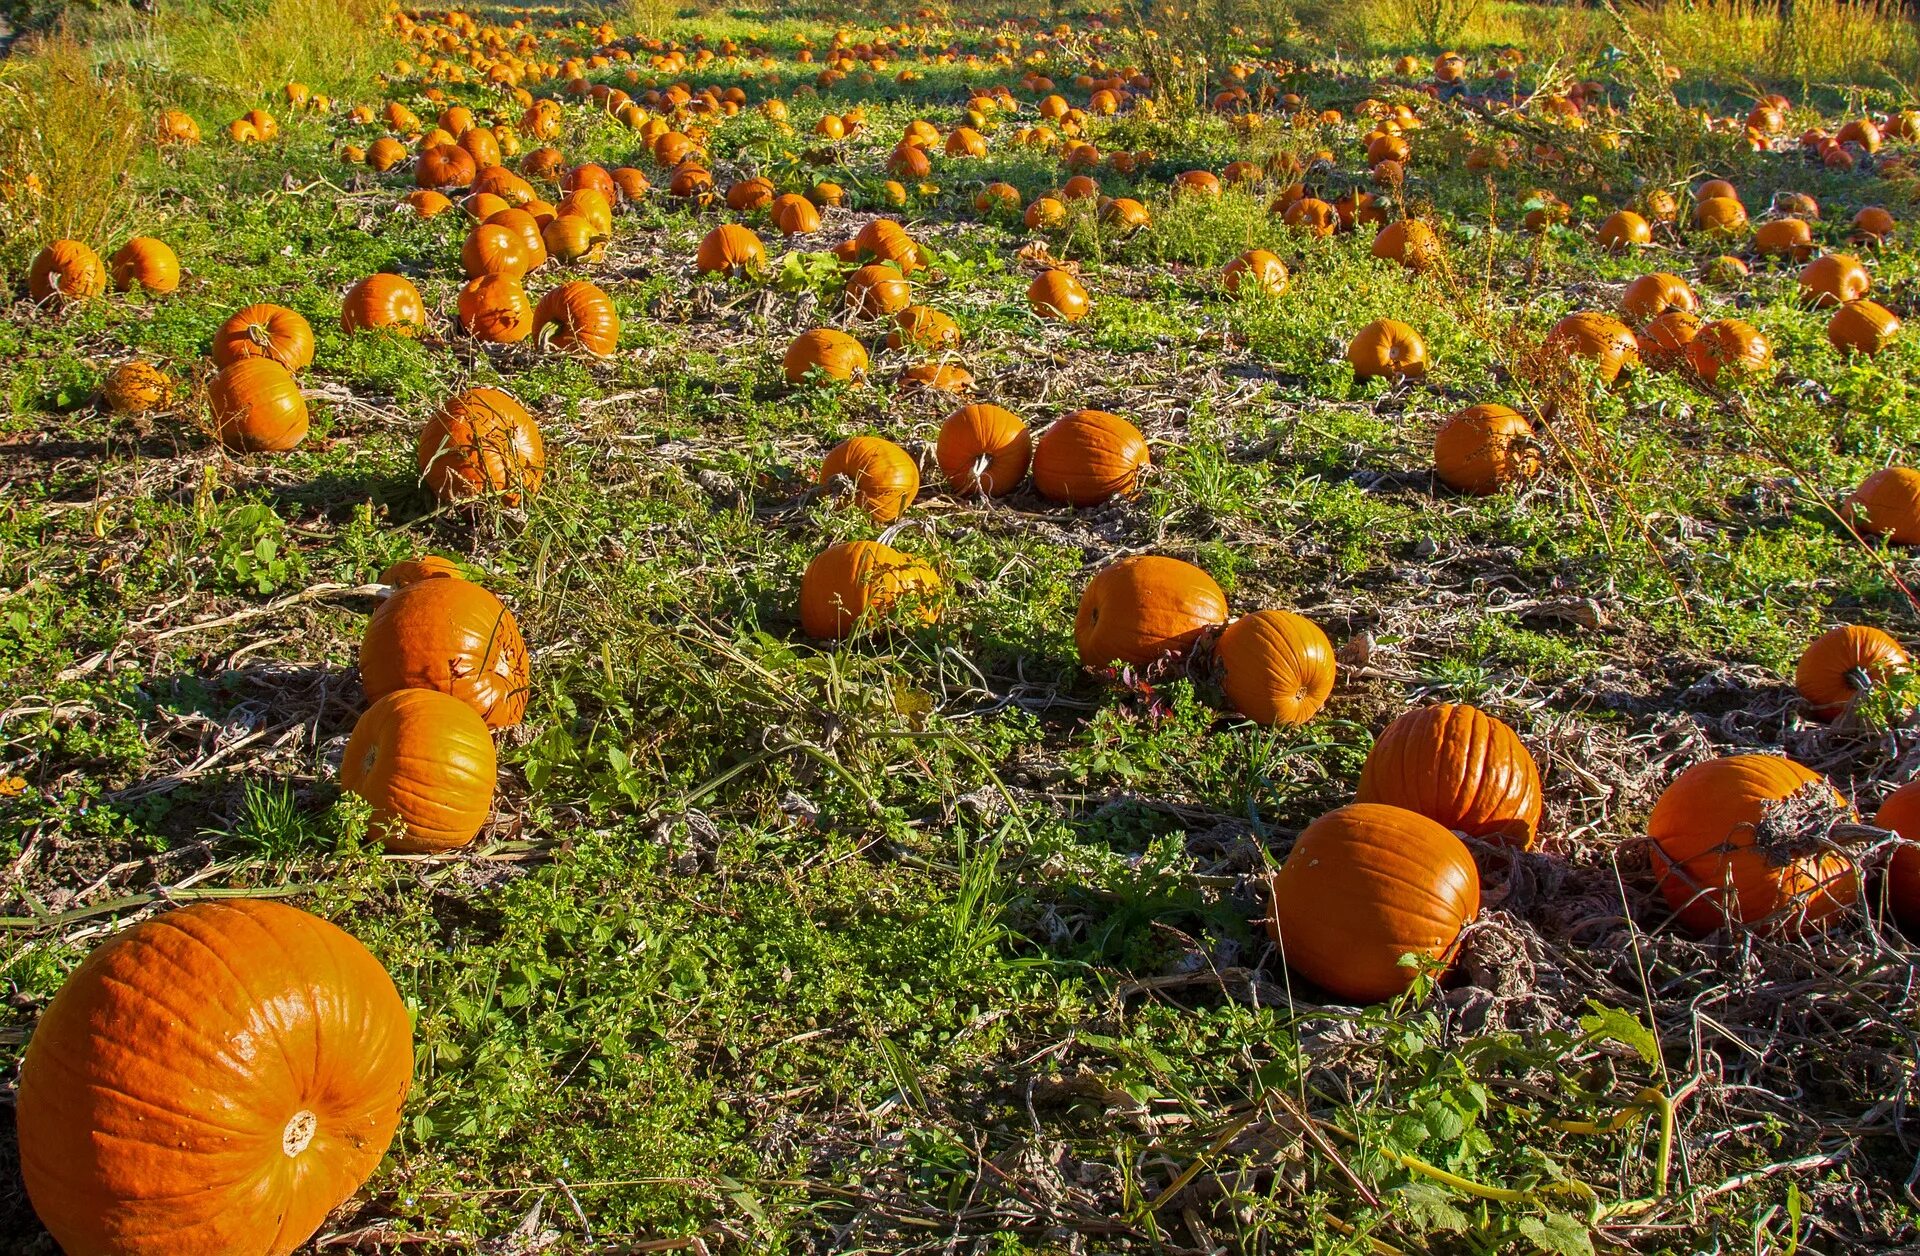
x: 1387, y: 348
x: 148, y: 262
x: 984, y: 449
x: 1459, y: 767
x: 1901, y: 813
x: 1409, y: 242
x: 1652, y: 295
x: 874, y: 290
x: 1624, y: 229
x: 265, y: 331
x: 495, y: 249
x: 937, y: 377
x: 1833, y: 279
x: 1843, y: 663
x: 858, y: 581
x: 1276, y: 667
x: 1256, y: 270
x: 527, y: 228
x: 834, y: 354
x: 1720, y: 216
x: 1141, y: 607
x: 425, y: 761
x: 923, y: 327
x: 1716, y: 865
x: 215, y: 1079
x: 1664, y: 341
x: 794, y: 214
x: 66, y: 270
x: 1598, y: 338
x: 730, y: 249
x: 884, y: 240
x: 1784, y: 237
x: 578, y: 315
x: 452, y: 636
x: 884, y: 476
x: 1728, y: 347
x: 1055, y: 294
x: 1088, y: 457
x: 495, y: 309
x: 1862, y: 326
x: 384, y: 302
x: 1483, y: 448
x: 481, y: 441
x: 445, y: 166
x: 571, y: 238
x: 1887, y: 503
x: 257, y: 407
x: 425, y: 567
x: 1364, y: 886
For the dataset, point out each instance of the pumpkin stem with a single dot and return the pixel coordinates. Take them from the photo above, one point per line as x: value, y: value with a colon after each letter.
x: 260, y: 335
x: 301, y: 1127
x: 1858, y: 679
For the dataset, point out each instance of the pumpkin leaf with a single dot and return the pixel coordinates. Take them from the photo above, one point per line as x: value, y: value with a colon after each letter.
x: 1557, y: 1232
x: 1612, y: 1024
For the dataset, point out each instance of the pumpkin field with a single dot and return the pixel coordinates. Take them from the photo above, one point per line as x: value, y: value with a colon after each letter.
x: 1248, y: 626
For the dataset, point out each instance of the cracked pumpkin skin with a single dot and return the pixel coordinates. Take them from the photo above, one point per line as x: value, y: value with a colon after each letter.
x: 449, y: 635
x: 214, y: 1080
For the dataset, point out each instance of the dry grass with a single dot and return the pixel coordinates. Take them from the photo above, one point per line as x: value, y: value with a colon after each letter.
x: 1824, y: 41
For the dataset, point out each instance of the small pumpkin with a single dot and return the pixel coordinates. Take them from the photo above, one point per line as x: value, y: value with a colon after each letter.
x: 1387, y: 349
x: 862, y: 581
x: 1650, y: 296
x: 793, y: 215
x: 452, y: 636
x: 66, y: 270
x: 923, y: 327
x: 1833, y: 279
x: 1089, y: 457
x: 884, y: 476
x: 1784, y: 237
x: 1887, y: 503
x: 1256, y: 270
x: 1720, y: 216
x: 445, y: 166
x: 570, y: 238
x: 481, y: 441
x: 1365, y: 886
x: 578, y: 315
x: 384, y: 302
x: 984, y: 449
x: 1484, y: 448
x: 1844, y: 663
x: 1312, y: 216
x: 1409, y: 242
x: 495, y: 309
x: 875, y: 290
x: 1729, y: 346
x: 1862, y: 326
x: 257, y: 406
x: 1275, y: 667
x: 265, y: 331
x: 1623, y: 230
x: 425, y: 567
x: 1600, y: 339
x: 148, y: 262
x: 1056, y: 294
x: 731, y: 249
x: 1873, y: 225
x: 218, y: 1078
x: 425, y: 761
x: 1459, y: 767
x: 1141, y: 607
x: 937, y: 377
x: 1724, y: 852
x: 836, y: 355
x: 137, y: 387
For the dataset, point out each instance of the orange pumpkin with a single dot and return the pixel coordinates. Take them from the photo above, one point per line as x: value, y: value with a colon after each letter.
x: 1089, y: 457
x: 148, y: 262
x: 1719, y: 858
x: 1720, y: 216
x: 1387, y: 349
x: 884, y: 240
x: 1057, y: 294
x: 875, y: 290
x: 257, y: 406
x: 427, y: 203
x: 1139, y: 608
x: 1901, y: 813
x: 984, y: 449
x: 1256, y: 270
x: 527, y: 228
x: 794, y: 215
x: 445, y: 166
x: 1624, y: 229
x: 1483, y: 448
x: 1597, y: 338
x: 1311, y: 215
x: 1364, y: 886
x: 923, y: 327
x: 137, y: 387
x: 1887, y: 503
x: 1275, y: 667
x: 1460, y: 767
x: 495, y: 309
x: 481, y: 441
x: 384, y: 301
x: 884, y: 476
x: 1862, y: 326
x: 265, y: 331
x: 1872, y: 225
x: 730, y: 249
x: 425, y: 567
x: 570, y: 238
x: 217, y: 1078
x: 578, y: 315
x: 1409, y: 242
x: 860, y: 581
x: 1650, y: 296
x: 1784, y: 237
x: 425, y: 761
x: 937, y: 377
x: 1844, y: 663
x: 836, y: 355
x: 452, y: 636
x: 1664, y: 341
x: 1731, y: 346
x: 1833, y: 279
x: 64, y: 271
x: 493, y: 249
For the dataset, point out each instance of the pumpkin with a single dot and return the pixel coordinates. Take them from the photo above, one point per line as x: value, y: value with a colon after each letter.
x: 923, y: 327
x: 1387, y: 348
x: 794, y: 215
x: 1844, y: 663
x: 481, y: 441
x: 1833, y: 279
x: 265, y: 331
x: 1901, y: 814
x: 257, y: 406
x: 874, y: 290
x: 1862, y: 326
x: 1483, y: 448
x: 857, y: 581
x: 66, y: 270
x: 384, y: 302
x: 1624, y: 229
x: 525, y: 226
x: 1729, y: 345
x: 1409, y: 242
x: 137, y: 387
x: 836, y: 355
x: 1725, y: 272
x: 1125, y: 215
x: 178, y: 127
x: 1720, y: 216
x: 1256, y: 270
x: 1196, y: 183
x: 1596, y: 338
x: 1311, y: 215
x: 594, y: 206
x: 425, y: 567
x: 1650, y: 296
x: 492, y: 249
x: 148, y: 262
x: 731, y: 249
x: 1141, y: 607
x: 452, y: 636
x: 1089, y: 457
x: 578, y: 315
x: 884, y: 240
x: 426, y: 203
x: 1057, y: 294
x: 386, y: 153
x: 592, y: 176
x: 884, y: 476
x: 1784, y: 237
x: 571, y: 238
x: 984, y: 449
x: 445, y: 166
x: 1045, y: 213
x: 425, y: 761
x: 746, y: 195
x: 1364, y: 886
x: 1887, y: 503
x: 1459, y: 767
x: 1275, y: 667
x: 937, y: 377
x: 1872, y: 225
x: 217, y: 1078
x: 1720, y: 857
x: 495, y: 309
x: 1664, y: 340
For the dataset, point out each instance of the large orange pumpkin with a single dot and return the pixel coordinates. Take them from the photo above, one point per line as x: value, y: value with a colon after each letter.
x: 1901, y: 813
x: 1598, y: 338
x: 1276, y: 667
x: 1387, y: 348
x: 578, y: 315
x: 495, y: 309
x: 836, y: 355
x: 984, y: 449
x: 1652, y: 295
x: 1409, y: 242
x: 1833, y: 279
x: 481, y: 441
x: 425, y: 761
x: 885, y: 477
x: 1862, y: 326
x: 384, y: 301
x: 1089, y: 457
x: 1483, y: 448
x: 1055, y: 294
x: 1730, y: 347
x: 1459, y: 767
x: 731, y: 249
x: 1364, y: 886
x: 215, y: 1079
x: 1842, y: 664
x: 449, y: 635
x: 858, y: 581
x: 1256, y: 270
x: 257, y: 407
x: 1623, y: 230
x: 265, y: 331
x: 874, y: 290
x: 1717, y: 861
x: 1141, y: 607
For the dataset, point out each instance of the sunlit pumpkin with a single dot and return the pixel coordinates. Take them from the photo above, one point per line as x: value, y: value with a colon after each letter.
x: 884, y: 477
x: 257, y: 406
x: 1387, y: 349
x: 1458, y: 766
x: 384, y: 302
x: 481, y: 441
x: 1275, y: 667
x: 425, y: 762
x: 449, y: 635
x: 1141, y: 607
x: 984, y: 449
x: 1484, y: 448
x: 859, y: 582
x: 834, y: 354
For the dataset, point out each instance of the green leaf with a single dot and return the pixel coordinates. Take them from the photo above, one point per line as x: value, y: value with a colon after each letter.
x: 1559, y: 1233
x: 1611, y: 1024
